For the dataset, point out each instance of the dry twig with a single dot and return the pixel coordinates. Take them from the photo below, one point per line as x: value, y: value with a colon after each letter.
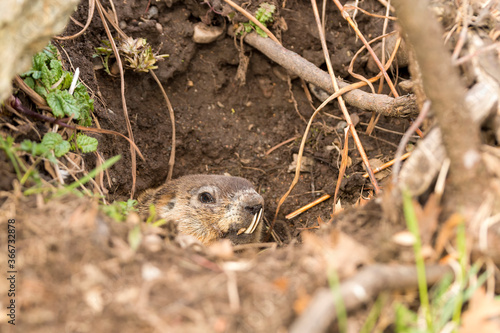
x: 403, y: 106
x: 360, y: 289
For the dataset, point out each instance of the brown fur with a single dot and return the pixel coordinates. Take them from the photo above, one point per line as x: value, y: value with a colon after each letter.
x: 179, y: 201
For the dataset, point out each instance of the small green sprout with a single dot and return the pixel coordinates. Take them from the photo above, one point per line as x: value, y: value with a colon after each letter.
x: 264, y: 15
x: 137, y: 53
x: 119, y: 210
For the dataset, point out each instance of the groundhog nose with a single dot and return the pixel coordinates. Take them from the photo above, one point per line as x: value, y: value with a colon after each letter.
x: 254, y: 209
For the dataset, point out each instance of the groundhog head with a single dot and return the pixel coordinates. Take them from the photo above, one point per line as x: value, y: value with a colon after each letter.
x: 209, y: 207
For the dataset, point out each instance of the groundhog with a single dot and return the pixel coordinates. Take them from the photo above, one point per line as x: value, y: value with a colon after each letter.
x: 209, y: 207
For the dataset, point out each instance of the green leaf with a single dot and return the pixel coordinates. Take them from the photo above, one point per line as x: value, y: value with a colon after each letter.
x: 38, y: 62
x: 260, y: 32
x: 26, y: 145
x: 46, y: 76
x: 33, y: 148
x: 56, y: 71
x: 265, y: 13
x: 50, y: 51
x: 30, y: 82
x: 54, y: 141
x: 63, y: 103
x: 62, y: 148
x: 85, y: 102
x: 66, y: 83
x: 86, y: 143
x: 51, y: 140
x: 41, y: 91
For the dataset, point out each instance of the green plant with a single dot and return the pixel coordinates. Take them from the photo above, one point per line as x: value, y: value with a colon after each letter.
x: 85, y: 143
x: 334, y: 283
x: 442, y: 305
x: 48, y: 78
x: 119, y: 210
x: 264, y: 15
x: 412, y: 223
x: 53, y: 142
x: 7, y: 145
x: 137, y: 53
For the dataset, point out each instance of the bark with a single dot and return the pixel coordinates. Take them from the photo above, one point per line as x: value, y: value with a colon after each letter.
x: 444, y: 88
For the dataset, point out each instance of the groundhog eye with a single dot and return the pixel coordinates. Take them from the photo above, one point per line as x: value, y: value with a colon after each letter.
x: 206, y: 197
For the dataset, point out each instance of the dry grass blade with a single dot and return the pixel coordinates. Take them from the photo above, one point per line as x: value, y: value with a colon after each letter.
x: 343, y: 166
x: 281, y: 144
x: 385, y: 17
x: 341, y: 100
x: 388, y: 164
x: 308, y: 206
x: 253, y: 19
x: 404, y: 140
x: 171, y: 160
x: 463, y: 34
x: 303, y: 143
x: 105, y: 131
x: 35, y: 97
x: 124, y: 102
x: 346, y: 16
x: 350, y: 69
x: 375, y: 118
x: 111, y: 21
x: 89, y: 19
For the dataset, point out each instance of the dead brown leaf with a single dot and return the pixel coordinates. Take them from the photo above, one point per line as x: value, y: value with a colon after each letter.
x: 483, y: 314
x: 428, y: 217
x: 446, y: 233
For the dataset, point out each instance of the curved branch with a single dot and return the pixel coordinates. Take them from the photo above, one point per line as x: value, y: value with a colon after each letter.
x: 360, y: 289
x: 403, y: 106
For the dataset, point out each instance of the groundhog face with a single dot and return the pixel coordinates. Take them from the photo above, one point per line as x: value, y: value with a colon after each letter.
x: 211, y: 207
x: 228, y: 208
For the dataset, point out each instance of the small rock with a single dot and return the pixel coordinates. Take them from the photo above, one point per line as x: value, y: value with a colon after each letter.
x: 341, y: 125
x: 150, y: 272
x: 306, y: 164
x: 159, y: 27
x: 204, y: 34
x: 123, y: 25
x: 406, y: 85
x: 152, y: 243
x: 355, y: 119
x: 152, y: 13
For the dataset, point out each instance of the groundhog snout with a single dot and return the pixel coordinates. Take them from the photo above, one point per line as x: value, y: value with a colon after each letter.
x: 254, y: 209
